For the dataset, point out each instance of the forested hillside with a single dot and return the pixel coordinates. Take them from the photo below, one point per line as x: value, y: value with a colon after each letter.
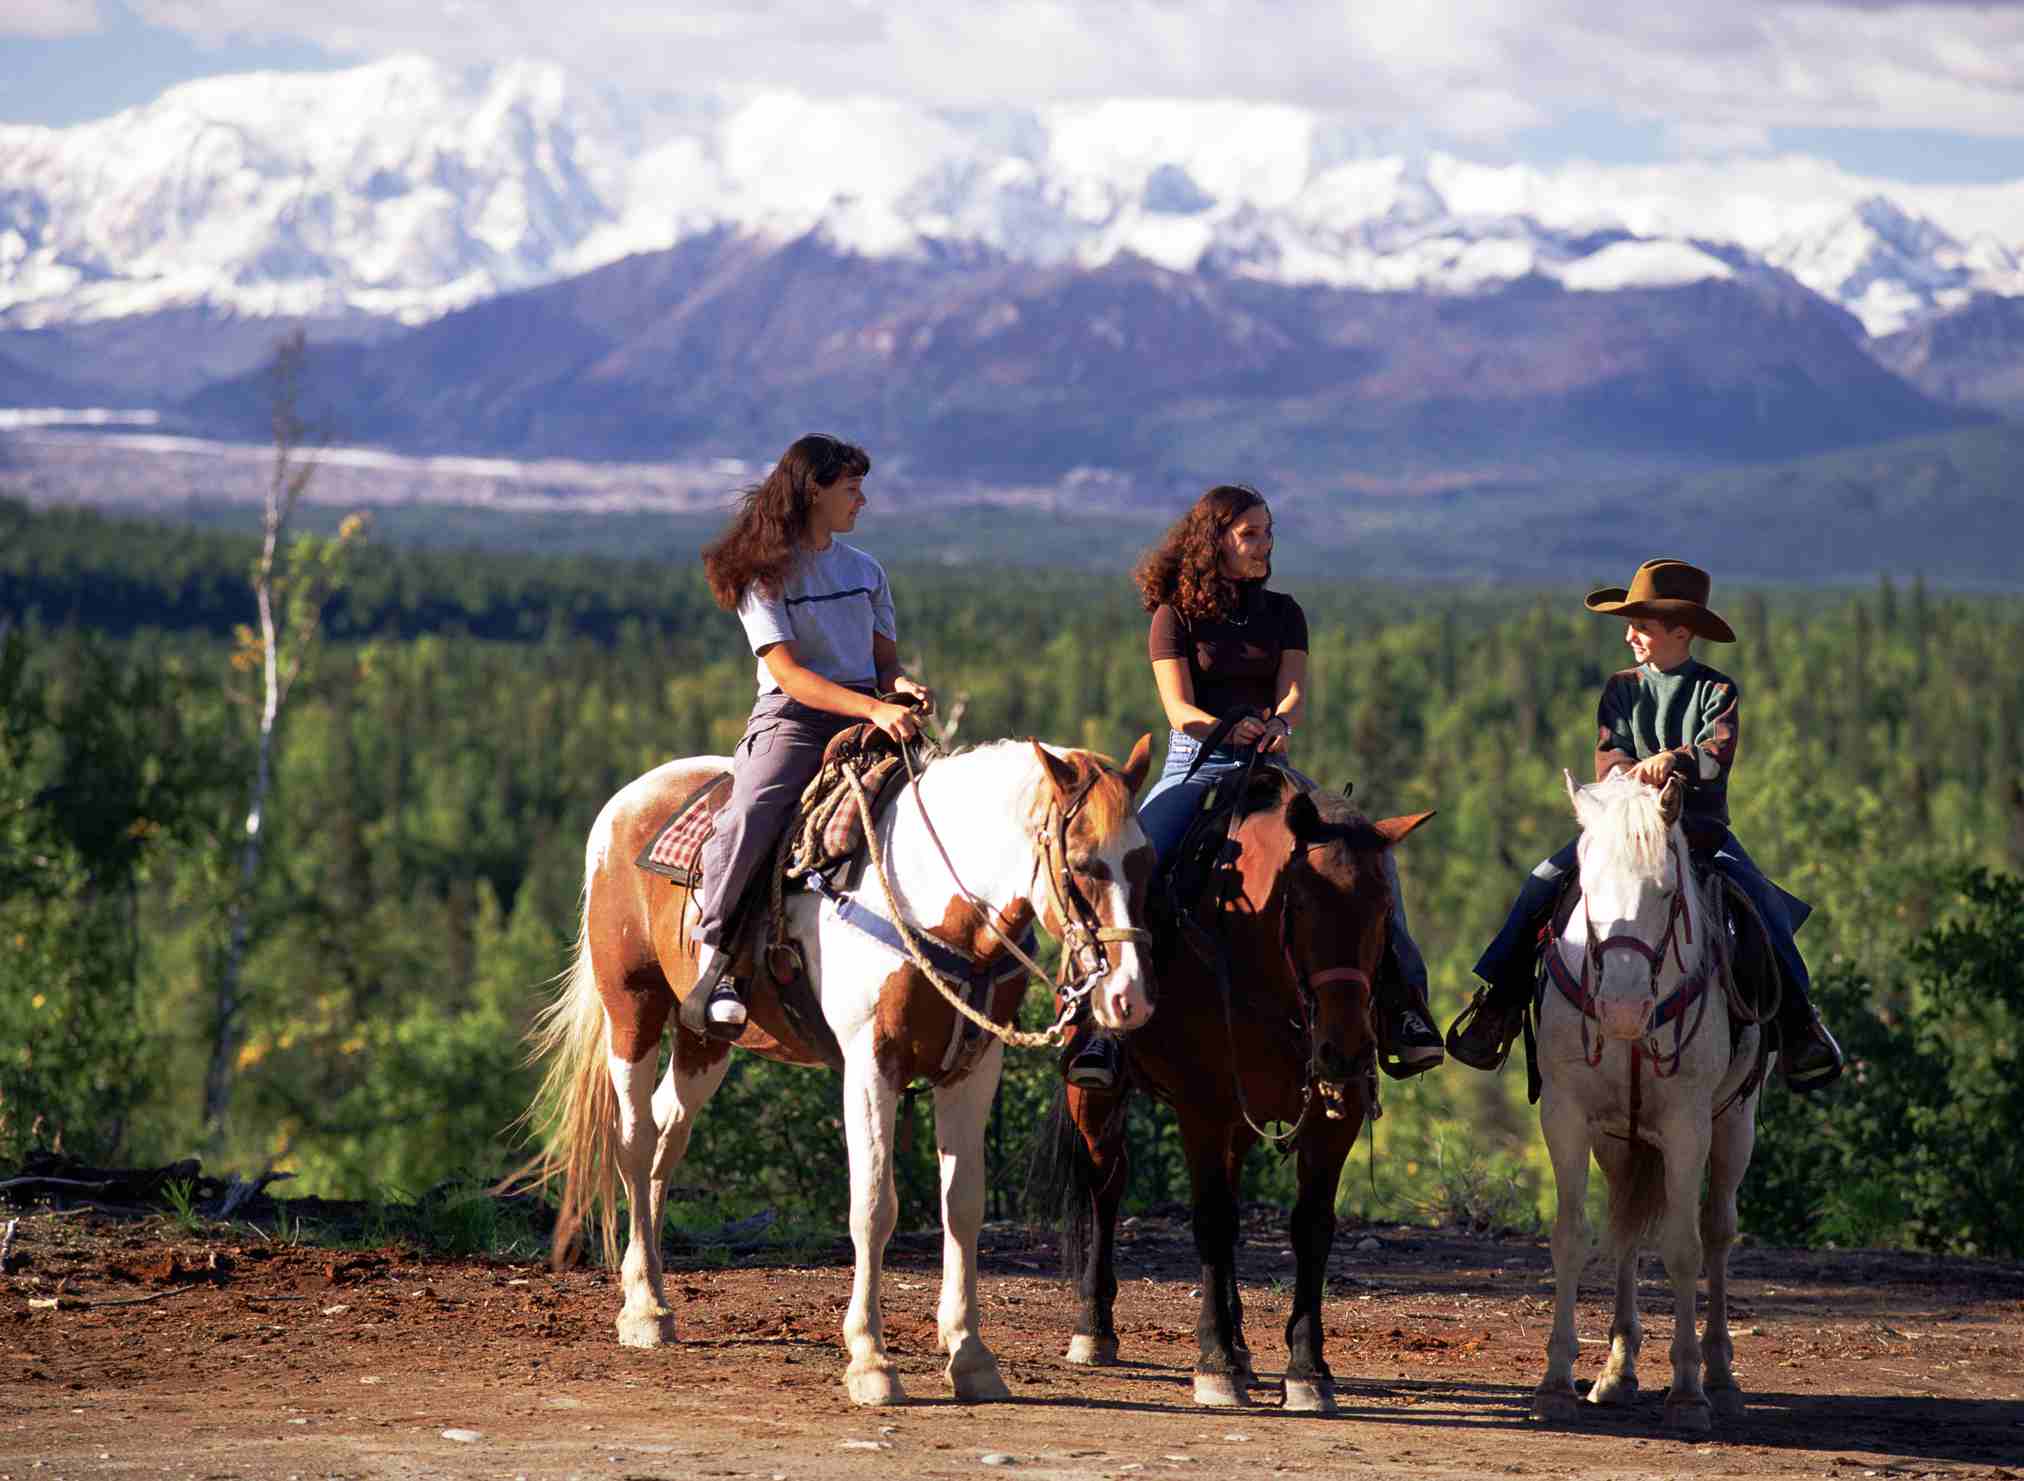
x: 468, y: 716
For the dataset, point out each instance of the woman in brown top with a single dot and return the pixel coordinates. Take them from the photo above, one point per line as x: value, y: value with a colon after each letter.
x: 1222, y: 643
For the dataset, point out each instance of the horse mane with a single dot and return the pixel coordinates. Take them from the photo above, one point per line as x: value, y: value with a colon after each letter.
x: 1106, y: 808
x: 1629, y: 832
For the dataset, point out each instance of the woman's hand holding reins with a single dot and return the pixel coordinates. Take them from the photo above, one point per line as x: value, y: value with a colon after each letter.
x: 897, y: 722
x: 1248, y: 731
x: 1268, y: 733
x: 923, y: 697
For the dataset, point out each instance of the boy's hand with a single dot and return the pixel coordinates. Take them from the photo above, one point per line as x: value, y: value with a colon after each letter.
x: 1654, y: 770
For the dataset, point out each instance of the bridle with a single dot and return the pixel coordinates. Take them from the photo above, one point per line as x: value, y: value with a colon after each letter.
x: 1083, y: 933
x: 1691, y: 993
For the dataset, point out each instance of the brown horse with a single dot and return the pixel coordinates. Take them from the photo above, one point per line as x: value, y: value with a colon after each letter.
x: 1031, y: 834
x: 1265, y: 1015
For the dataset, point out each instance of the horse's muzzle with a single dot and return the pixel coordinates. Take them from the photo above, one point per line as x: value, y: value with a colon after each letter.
x: 1626, y: 1018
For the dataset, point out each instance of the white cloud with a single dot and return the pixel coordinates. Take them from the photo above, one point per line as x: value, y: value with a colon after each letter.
x: 1478, y: 69
x: 49, y: 19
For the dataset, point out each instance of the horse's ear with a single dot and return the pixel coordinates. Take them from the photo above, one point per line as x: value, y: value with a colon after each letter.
x: 1573, y: 792
x: 1348, y: 790
x: 1061, y: 773
x: 1671, y: 796
x: 1303, y: 818
x: 1140, y: 763
x: 1394, y: 830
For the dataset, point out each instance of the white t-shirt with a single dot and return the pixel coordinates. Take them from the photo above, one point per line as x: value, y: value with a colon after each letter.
x: 829, y: 605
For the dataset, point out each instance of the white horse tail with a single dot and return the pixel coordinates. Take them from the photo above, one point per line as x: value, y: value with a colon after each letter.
x: 576, y: 1111
x: 1637, y: 1202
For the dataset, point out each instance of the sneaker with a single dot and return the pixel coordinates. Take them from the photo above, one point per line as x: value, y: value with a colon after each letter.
x: 1481, y: 1035
x: 1096, y: 1063
x: 1812, y: 1059
x: 724, y: 1013
x: 1413, y: 1047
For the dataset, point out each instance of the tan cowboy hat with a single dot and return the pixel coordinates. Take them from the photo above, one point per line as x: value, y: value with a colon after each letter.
x: 1672, y: 591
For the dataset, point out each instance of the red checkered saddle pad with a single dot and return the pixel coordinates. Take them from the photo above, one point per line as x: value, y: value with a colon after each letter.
x: 679, y: 841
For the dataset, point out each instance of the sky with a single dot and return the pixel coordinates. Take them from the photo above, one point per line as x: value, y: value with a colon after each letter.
x: 1922, y: 93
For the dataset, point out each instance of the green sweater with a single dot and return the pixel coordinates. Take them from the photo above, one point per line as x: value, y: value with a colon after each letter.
x: 1690, y: 711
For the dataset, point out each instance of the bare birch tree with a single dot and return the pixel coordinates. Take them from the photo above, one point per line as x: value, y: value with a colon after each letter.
x: 292, y: 580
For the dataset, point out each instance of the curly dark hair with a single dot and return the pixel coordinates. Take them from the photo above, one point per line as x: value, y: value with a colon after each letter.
x: 1181, y: 571
x: 763, y: 537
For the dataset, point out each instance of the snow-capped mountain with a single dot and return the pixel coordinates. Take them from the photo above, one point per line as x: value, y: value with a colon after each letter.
x: 405, y: 189
x: 1892, y: 269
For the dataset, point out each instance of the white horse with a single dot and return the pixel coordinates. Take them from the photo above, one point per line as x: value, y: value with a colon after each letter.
x: 1645, y: 1078
x: 1031, y: 833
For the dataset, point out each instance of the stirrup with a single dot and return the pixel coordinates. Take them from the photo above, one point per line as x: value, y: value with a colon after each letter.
x: 1470, y: 1050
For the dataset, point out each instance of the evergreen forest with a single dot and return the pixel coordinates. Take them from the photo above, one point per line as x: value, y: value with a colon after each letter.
x: 464, y: 717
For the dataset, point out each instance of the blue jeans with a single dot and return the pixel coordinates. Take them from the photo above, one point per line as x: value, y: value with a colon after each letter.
x: 1507, y: 963
x: 1172, y: 805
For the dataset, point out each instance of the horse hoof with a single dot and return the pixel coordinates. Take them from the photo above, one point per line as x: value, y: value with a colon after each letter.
x: 980, y: 1385
x: 1727, y: 1402
x: 646, y: 1330
x: 1308, y: 1396
x: 875, y: 1386
x: 1219, y: 1391
x: 1092, y: 1352
x: 1555, y: 1406
x: 1690, y: 1415
x: 1614, y: 1391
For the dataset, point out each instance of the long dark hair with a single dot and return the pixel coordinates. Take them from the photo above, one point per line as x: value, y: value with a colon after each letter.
x: 1181, y: 571
x: 763, y: 537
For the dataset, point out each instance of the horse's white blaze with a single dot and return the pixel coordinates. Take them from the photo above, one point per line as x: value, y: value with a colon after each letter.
x: 1120, y: 999
x: 1627, y: 871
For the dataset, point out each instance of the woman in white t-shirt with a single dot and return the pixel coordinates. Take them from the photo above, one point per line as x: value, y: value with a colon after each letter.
x: 818, y: 615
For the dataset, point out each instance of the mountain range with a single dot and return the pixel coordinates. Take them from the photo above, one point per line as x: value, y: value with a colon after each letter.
x: 511, y: 259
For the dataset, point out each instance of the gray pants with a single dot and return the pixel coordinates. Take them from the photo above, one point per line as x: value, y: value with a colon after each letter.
x: 773, y: 765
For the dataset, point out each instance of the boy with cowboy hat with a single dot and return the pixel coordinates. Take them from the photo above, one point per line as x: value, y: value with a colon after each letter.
x: 1671, y: 716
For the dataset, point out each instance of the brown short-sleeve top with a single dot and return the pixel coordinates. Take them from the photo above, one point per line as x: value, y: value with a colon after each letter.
x: 1233, y: 661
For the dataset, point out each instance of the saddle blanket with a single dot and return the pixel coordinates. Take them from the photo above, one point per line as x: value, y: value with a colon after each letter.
x: 678, y: 843
x: 837, y: 834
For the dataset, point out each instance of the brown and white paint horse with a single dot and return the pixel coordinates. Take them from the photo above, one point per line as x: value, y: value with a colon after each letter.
x: 1637, y: 1065
x: 994, y: 808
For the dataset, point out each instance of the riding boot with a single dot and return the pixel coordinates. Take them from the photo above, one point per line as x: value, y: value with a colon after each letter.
x: 1481, y: 1035
x: 1811, y: 1059
x: 1096, y: 1063
x: 1408, y: 1042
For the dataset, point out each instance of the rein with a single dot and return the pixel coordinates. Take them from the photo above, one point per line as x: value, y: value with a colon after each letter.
x: 1082, y: 931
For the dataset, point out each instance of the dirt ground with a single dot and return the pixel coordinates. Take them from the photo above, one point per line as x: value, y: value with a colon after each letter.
x: 259, y: 1358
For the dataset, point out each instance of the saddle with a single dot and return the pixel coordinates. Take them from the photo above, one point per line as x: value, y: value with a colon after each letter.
x: 822, y: 851
x: 825, y: 832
